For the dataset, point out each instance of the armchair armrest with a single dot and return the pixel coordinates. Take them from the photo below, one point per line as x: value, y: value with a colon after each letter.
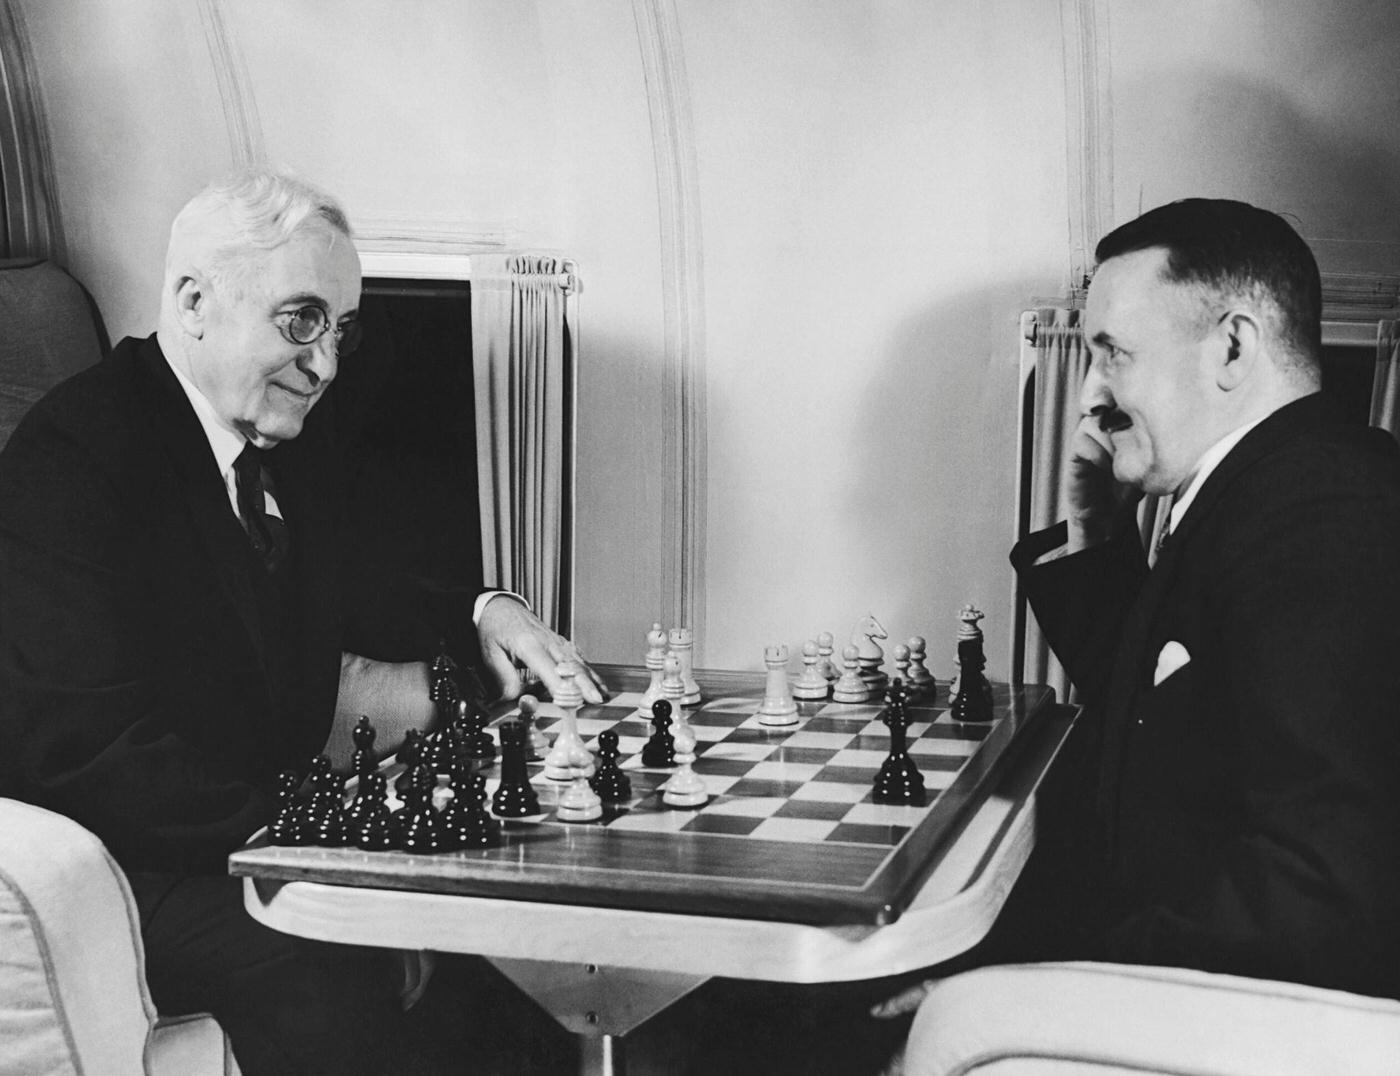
x: 1072, y: 1018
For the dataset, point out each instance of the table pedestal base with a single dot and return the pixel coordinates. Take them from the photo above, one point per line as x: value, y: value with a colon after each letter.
x: 600, y: 1005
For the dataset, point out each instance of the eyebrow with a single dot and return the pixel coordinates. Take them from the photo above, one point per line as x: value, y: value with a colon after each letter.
x: 1104, y: 339
x: 310, y: 298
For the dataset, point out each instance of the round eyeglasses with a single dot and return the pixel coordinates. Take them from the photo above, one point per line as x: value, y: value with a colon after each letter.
x: 310, y: 323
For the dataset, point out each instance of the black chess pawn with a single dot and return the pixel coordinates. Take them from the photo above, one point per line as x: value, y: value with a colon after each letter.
x: 368, y: 822
x: 515, y: 796
x: 286, y: 827
x: 973, y: 702
x: 469, y: 823
x: 611, y: 784
x: 417, y: 827
x: 479, y: 745
x: 364, y: 759
x: 442, y: 679
x: 899, y: 780
x: 660, y: 750
x: 410, y: 754
x: 323, y: 821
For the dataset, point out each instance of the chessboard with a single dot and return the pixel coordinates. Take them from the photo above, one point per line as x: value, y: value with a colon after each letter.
x: 789, y: 830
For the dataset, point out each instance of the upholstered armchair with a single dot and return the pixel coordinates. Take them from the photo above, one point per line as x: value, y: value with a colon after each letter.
x: 1087, y: 1019
x: 73, y: 995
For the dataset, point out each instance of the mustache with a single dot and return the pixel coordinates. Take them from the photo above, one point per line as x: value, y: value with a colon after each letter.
x: 1111, y: 420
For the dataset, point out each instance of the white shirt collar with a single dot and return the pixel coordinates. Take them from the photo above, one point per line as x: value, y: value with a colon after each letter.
x: 225, y: 441
x: 1209, y: 462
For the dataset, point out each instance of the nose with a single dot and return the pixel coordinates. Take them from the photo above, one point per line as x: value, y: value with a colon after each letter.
x: 318, y: 360
x: 1094, y: 396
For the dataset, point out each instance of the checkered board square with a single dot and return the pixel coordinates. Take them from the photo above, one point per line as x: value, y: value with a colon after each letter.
x: 789, y: 831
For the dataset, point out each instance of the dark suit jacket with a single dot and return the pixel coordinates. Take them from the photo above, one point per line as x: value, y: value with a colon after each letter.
x: 138, y: 691
x: 1243, y: 814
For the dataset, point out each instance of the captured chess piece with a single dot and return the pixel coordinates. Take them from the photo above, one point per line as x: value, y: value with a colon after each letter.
x: 368, y: 822
x: 442, y: 685
x: 416, y: 824
x: 777, y: 707
x: 810, y: 683
x: 286, y: 827
x: 611, y: 784
x: 465, y: 822
x: 849, y: 687
x: 682, y: 642
x: 868, y: 652
x: 409, y: 755
x: 324, y: 818
x: 973, y: 698
x: 899, y: 780
x: 515, y: 797
x: 660, y: 749
x: 655, y: 665
x: 363, y: 760
x: 687, y: 788
x: 469, y: 721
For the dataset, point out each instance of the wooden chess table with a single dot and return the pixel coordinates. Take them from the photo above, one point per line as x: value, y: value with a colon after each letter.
x: 789, y: 872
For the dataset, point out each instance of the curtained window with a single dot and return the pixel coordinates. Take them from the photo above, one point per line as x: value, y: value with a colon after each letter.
x: 524, y: 337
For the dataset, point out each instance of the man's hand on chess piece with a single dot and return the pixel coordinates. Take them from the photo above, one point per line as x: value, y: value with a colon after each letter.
x: 513, y: 639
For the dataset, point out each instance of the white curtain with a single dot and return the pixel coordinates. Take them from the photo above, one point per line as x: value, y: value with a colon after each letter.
x: 1385, y: 393
x: 523, y: 352
x: 1059, y: 365
x: 1061, y: 361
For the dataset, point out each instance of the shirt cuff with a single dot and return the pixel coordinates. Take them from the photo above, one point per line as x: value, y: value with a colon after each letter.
x: 486, y: 595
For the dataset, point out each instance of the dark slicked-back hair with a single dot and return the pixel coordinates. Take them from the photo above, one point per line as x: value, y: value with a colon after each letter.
x: 1232, y: 249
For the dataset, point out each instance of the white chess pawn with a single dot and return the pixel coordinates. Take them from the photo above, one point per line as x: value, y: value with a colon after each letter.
x: 919, y: 677
x: 868, y: 651
x: 568, y: 753
x: 850, y: 687
x: 683, y: 646
x: 685, y: 788
x: 672, y: 687
x: 656, y: 665
x: 826, y: 646
x: 810, y: 683
x: 777, y: 707
x: 536, y: 743
x: 578, y: 802
x: 901, y: 663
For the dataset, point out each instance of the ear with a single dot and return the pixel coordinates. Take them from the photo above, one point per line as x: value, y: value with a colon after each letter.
x: 191, y: 305
x: 1235, y: 349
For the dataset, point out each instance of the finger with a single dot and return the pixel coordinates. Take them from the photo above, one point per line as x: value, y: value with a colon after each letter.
x: 906, y: 1001
x: 1090, y: 444
x: 505, y: 672
x: 590, y: 683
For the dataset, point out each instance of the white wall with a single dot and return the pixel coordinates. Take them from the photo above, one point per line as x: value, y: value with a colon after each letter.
x: 880, y: 188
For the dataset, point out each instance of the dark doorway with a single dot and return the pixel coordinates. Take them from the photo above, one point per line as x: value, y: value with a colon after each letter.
x: 406, y: 404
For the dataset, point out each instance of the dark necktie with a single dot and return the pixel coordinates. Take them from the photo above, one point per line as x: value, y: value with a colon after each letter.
x: 268, y: 534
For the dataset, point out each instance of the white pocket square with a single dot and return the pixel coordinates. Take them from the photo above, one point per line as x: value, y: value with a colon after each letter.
x: 1172, y: 657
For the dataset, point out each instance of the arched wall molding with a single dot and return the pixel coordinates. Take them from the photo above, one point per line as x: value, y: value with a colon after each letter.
x: 30, y: 225
x: 683, y: 296
x: 1084, y: 34
x: 241, y: 119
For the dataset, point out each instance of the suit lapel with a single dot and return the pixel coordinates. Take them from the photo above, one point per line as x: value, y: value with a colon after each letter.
x: 183, y: 439
x: 1132, y: 664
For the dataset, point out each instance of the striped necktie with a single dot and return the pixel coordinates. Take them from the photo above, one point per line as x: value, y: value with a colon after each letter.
x: 268, y: 535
